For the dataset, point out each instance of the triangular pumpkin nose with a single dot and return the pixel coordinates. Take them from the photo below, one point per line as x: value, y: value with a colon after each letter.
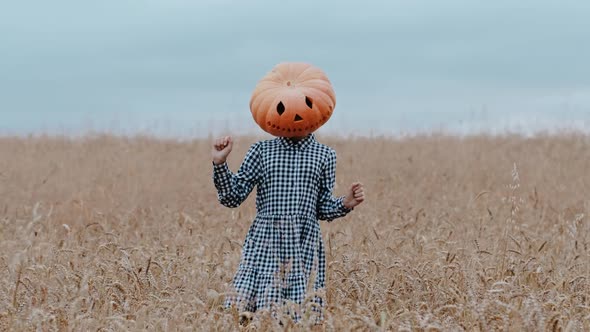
x: 298, y: 118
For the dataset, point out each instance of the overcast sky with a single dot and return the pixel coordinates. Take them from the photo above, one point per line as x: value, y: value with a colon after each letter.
x: 188, y: 67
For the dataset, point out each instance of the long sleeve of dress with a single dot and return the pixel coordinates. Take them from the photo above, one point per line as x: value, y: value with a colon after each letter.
x: 330, y: 207
x: 233, y: 189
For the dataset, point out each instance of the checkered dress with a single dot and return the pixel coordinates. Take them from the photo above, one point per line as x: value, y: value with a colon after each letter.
x: 283, y: 249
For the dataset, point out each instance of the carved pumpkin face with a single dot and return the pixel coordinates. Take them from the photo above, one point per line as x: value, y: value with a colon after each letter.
x: 293, y: 100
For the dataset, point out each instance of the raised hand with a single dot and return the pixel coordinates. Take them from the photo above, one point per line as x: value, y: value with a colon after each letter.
x: 355, y: 195
x: 221, y: 149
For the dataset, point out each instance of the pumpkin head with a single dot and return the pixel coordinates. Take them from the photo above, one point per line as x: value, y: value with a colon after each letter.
x: 294, y: 99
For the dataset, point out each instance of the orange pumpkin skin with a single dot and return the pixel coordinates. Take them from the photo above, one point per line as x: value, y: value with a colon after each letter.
x: 294, y: 99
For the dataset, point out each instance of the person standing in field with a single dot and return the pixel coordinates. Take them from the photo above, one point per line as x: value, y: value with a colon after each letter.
x: 294, y: 175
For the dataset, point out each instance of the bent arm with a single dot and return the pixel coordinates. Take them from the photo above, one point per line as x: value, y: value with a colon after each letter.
x: 330, y: 207
x: 233, y: 189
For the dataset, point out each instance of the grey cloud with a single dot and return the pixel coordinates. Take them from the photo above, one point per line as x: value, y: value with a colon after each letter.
x: 86, y: 60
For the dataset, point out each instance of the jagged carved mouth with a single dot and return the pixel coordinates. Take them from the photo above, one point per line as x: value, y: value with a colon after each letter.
x: 289, y: 130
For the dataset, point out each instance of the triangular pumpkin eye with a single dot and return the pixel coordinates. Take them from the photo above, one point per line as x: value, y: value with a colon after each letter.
x: 309, y: 102
x: 280, y: 108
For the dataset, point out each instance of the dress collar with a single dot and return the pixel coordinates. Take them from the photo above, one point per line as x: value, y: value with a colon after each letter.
x: 301, y: 144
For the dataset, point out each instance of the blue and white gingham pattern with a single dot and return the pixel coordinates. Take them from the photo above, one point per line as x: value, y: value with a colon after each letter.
x: 283, y: 247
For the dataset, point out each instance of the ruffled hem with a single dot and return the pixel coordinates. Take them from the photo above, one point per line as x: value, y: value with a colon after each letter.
x: 254, y: 290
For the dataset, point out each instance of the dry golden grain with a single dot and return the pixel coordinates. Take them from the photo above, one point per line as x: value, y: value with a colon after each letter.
x: 474, y: 233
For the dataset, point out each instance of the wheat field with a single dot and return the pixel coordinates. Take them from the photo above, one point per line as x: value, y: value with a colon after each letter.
x: 478, y: 233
